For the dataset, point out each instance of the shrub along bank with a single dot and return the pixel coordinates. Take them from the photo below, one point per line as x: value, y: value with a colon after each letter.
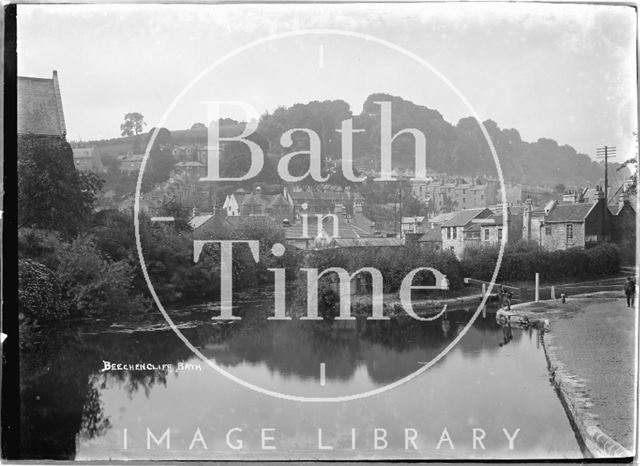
x: 522, y: 260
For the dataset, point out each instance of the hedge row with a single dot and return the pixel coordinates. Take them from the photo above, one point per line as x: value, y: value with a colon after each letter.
x: 521, y: 261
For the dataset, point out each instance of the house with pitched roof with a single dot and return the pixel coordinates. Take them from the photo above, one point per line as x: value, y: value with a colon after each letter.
x: 233, y: 201
x: 209, y: 227
x: 581, y: 224
x: 415, y: 224
x: 493, y: 228
x: 453, y: 230
x: 87, y: 159
x: 314, y: 233
x: 431, y: 239
x: 40, y: 107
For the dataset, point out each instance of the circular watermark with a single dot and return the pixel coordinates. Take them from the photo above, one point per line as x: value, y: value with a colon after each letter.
x: 212, y: 364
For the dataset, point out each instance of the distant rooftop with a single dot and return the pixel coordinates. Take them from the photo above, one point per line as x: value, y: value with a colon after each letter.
x: 569, y: 212
x: 40, y: 107
x: 465, y: 216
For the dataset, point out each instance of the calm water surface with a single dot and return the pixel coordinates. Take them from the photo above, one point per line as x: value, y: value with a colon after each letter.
x: 493, y: 379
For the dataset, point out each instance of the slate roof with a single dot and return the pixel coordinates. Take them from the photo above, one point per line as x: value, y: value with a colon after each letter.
x: 40, y: 107
x: 199, y: 220
x: 441, y: 218
x: 569, y: 213
x: 465, y: 216
x: 278, y: 200
x: 210, y: 227
x: 357, y: 226
x: 432, y: 235
x: 254, y: 199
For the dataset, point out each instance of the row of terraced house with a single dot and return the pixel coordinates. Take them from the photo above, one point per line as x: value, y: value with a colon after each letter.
x: 574, y: 221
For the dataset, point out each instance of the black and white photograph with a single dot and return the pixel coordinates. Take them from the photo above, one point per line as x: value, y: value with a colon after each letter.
x: 320, y: 231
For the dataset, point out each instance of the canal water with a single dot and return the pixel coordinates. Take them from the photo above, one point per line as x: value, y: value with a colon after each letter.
x: 492, y: 385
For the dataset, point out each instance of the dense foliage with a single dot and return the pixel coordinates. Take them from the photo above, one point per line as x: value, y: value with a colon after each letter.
x: 99, y: 271
x: 394, y: 263
x: 40, y: 292
x: 522, y: 260
x: 51, y: 193
x: 459, y: 149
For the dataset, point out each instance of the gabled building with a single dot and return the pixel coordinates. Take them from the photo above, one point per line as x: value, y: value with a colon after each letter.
x: 209, y: 227
x: 40, y: 107
x: 242, y: 203
x: 493, y: 228
x: 348, y: 226
x: 233, y: 202
x: 581, y: 224
x: 431, y: 239
x: 624, y: 228
x: 87, y: 159
x: 415, y: 224
x: 453, y: 230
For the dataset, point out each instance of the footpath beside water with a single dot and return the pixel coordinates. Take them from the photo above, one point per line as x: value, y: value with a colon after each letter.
x: 590, y: 349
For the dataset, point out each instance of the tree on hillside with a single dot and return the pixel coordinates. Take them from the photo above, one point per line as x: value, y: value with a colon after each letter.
x: 133, y: 124
x: 560, y: 188
x: 322, y: 117
x: 198, y: 126
x: 52, y: 194
x: 161, y: 160
x: 412, y: 207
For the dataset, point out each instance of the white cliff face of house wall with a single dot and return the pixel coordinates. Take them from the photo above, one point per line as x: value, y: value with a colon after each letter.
x: 555, y: 236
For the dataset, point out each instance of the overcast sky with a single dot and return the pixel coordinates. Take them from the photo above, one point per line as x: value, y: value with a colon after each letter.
x: 565, y: 72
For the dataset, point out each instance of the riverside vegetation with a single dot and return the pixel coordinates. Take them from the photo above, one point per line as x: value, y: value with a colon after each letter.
x: 74, y: 261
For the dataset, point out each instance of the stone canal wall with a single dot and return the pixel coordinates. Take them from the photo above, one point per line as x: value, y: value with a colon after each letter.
x: 575, y: 392
x: 575, y: 399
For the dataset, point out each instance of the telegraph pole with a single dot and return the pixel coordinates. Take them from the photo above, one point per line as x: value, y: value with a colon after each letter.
x: 605, y: 152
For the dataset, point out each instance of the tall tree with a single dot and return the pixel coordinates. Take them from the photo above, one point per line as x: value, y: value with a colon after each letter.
x: 133, y: 124
x: 51, y: 193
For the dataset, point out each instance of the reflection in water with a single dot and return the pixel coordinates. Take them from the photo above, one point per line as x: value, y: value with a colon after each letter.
x: 71, y: 408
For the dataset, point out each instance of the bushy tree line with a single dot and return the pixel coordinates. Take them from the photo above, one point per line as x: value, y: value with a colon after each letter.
x: 522, y: 260
x: 99, y: 271
x: 453, y: 148
x: 77, y: 261
x: 393, y: 262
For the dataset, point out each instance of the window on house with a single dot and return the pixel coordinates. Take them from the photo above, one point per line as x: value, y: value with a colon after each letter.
x: 499, y: 234
x: 486, y: 234
x: 547, y: 231
x: 455, y: 232
x: 448, y: 232
x: 569, y: 231
x: 482, y: 197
